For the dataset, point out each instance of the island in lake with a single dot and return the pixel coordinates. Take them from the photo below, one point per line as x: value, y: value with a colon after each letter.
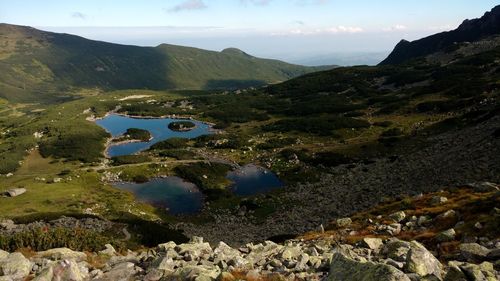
x: 181, y: 126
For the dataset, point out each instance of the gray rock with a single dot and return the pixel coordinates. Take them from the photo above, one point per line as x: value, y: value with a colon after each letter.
x: 446, y: 236
x: 63, y: 254
x: 396, y: 249
x: 110, y: 250
x: 343, y: 222
x: 398, y: 216
x: 473, y: 252
x: 16, y: 266
x: 423, y: 220
x: 15, y: 192
x: 473, y: 272
x: 344, y: 268
x: 455, y: 273
x: 3, y: 254
x: 494, y: 254
x: 438, y: 200
x: 123, y: 271
x: 372, y: 243
x: 420, y: 261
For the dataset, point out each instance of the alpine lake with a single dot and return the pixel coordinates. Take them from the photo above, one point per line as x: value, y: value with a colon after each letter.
x: 172, y: 193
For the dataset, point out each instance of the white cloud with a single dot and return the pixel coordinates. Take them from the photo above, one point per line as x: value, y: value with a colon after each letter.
x: 397, y: 27
x: 189, y: 5
x: 341, y: 29
x: 256, y: 2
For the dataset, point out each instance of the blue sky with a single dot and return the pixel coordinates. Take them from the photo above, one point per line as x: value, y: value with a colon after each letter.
x: 286, y: 29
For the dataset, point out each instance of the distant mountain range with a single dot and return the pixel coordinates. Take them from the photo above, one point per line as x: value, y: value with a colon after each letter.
x: 469, y: 30
x: 38, y: 65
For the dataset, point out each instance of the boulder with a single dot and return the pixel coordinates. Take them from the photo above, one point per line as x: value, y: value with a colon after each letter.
x: 396, y: 249
x: 47, y: 274
x: 372, y: 243
x: 343, y: 222
x: 15, y: 192
x: 446, y: 236
x: 62, y: 254
x: 122, y: 271
x: 109, y: 251
x: 420, y: 261
x: 473, y: 252
x: 455, y: 273
x: 398, y: 216
x: 16, y: 266
x: 438, y: 200
x: 3, y: 254
x: 343, y: 268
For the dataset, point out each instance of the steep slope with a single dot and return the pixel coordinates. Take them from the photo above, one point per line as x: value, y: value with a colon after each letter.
x: 468, y: 31
x: 38, y: 65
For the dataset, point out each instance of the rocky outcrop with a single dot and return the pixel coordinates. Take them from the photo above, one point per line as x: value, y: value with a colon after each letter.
x: 468, y: 31
x: 318, y: 259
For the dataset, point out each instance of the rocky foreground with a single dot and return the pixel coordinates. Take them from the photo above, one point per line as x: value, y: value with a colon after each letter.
x: 371, y: 259
x: 449, y: 235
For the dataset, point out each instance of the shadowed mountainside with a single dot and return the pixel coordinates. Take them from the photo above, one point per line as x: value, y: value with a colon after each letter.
x: 469, y: 30
x: 39, y: 66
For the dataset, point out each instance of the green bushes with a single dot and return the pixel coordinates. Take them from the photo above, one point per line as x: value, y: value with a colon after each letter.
x: 206, y: 176
x: 130, y: 159
x: 179, y: 154
x: 181, y: 126
x: 40, y: 239
x: 172, y: 143
x: 276, y: 143
x: 138, y: 134
x: 316, y: 125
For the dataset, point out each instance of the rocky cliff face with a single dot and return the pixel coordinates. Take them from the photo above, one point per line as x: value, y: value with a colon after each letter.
x: 468, y: 31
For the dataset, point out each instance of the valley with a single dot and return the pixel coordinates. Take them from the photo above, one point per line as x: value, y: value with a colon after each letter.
x: 307, y: 173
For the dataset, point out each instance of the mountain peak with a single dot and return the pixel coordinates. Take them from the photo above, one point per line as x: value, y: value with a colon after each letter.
x: 235, y: 51
x: 469, y: 31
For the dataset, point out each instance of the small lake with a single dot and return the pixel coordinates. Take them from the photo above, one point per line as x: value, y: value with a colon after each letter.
x: 117, y: 125
x: 252, y: 179
x: 171, y: 193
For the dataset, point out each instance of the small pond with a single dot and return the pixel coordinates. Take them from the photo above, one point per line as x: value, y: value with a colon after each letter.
x: 171, y: 193
x: 117, y: 125
x: 252, y: 179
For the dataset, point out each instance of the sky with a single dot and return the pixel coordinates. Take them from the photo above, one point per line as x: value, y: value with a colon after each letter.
x: 292, y: 30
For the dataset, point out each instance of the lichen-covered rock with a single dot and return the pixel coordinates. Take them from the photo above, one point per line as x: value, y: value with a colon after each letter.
x: 372, y: 243
x: 63, y: 254
x: 15, y: 265
x: 396, y: 249
x: 398, y: 216
x: 473, y: 252
x: 344, y: 268
x: 420, y: 261
x: 344, y: 222
x: 446, y: 236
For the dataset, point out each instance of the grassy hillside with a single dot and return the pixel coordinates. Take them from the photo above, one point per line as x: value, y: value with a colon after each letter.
x: 45, y: 66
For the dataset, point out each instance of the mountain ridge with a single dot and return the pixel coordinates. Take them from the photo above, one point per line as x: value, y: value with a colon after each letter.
x: 38, y: 65
x: 469, y: 30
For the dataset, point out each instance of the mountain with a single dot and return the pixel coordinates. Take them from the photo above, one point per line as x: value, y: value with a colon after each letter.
x: 468, y: 31
x: 39, y: 65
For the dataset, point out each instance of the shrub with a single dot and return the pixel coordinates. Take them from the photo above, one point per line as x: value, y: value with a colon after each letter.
x: 172, y: 143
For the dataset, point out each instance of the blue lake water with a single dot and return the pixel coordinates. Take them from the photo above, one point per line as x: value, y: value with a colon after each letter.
x: 171, y: 193
x: 252, y: 179
x: 117, y: 125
